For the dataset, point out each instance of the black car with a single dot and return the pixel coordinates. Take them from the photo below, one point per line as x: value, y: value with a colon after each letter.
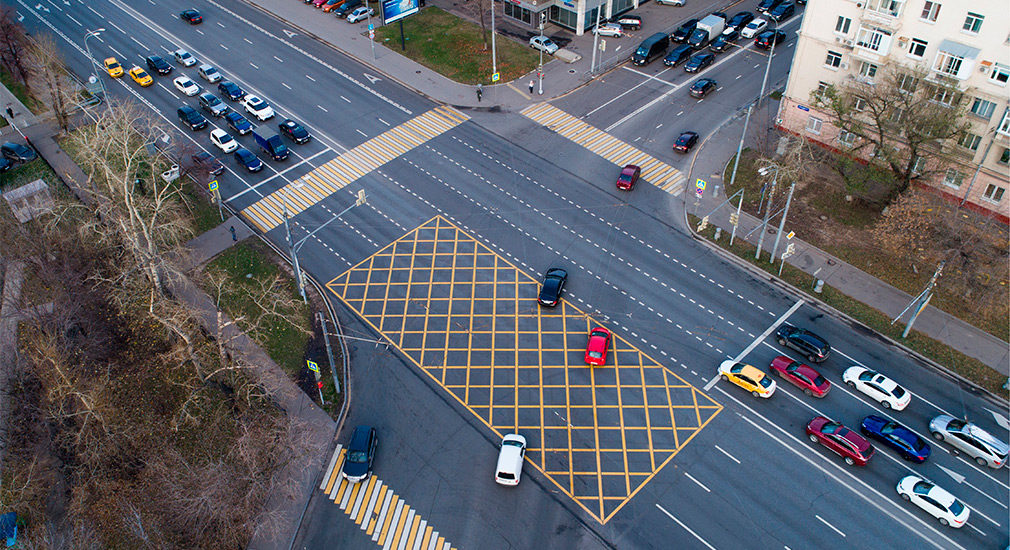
x: 238, y: 122
x: 740, y: 20
x: 768, y: 5
x: 206, y: 162
x: 783, y: 11
x: 360, y: 452
x: 699, y: 62
x: 765, y: 39
x: 553, y: 286
x: 14, y: 151
x: 191, y: 117
x: 346, y: 8
x: 192, y: 16
x: 295, y: 131
x: 158, y: 65
x: 684, y: 31
x: 231, y: 90
x: 632, y: 22
x: 5, y: 165
x: 815, y: 348
x: 247, y: 158
x: 723, y: 43
x: 678, y: 55
x: 702, y: 87
x: 685, y: 142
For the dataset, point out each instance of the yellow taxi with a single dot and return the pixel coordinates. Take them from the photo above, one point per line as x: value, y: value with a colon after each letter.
x: 113, y: 67
x: 140, y: 76
x: 747, y: 377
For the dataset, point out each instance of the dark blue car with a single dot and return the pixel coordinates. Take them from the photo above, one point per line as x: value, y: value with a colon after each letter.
x: 910, y: 446
x: 360, y: 452
x: 246, y: 158
x: 231, y: 90
x: 238, y: 123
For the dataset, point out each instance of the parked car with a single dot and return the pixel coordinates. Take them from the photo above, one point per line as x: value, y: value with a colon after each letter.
x: 257, y: 107
x: 360, y: 13
x: 747, y: 377
x: 628, y: 178
x: 753, y: 28
x: 678, y: 55
x: 248, y: 159
x: 698, y: 62
x: 852, y: 447
x: 609, y: 29
x: 684, y: 31
x: 186, y: 86
x: 346, y: 8
x: 189, y: 116
x: 360, y: 453
x: 212, y: 104
x: 140, y: 76
x: 223, y: 141
x: 184, y: 58
x: 17, y: 152
x: 5, y: 165
x: 157, y: 64
x: 597, y: 346
x: 191, y: 16
x: 543, y: 43
x: 767, y: 38
x: 910, y: 446
x: 113, y: 67
x: 685, y: 142
x: 209, y: 73
x: 812, y: 346
x: 802, y: 376
x: 672, y: 2
x: 208, y: 163
x: 552, y: 287
x: 633, y: 22
x: 238, y: 123
x: 985, y: 448
x: 878, y: 387
x: 230, y: 90
x: 327, y: 5
x: 295, y: 131
x: 510, y: 460
x: 702, y: 87
x: 934, y: 500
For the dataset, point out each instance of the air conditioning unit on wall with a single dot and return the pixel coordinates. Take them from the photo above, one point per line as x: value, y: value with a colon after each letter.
x: 844, y: 66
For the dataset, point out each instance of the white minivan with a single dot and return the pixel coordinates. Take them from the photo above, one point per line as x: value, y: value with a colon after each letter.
x: 510, y: 460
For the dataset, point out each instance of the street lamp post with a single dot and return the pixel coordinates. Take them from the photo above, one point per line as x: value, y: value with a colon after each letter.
x: 768, y: 66
x: 294, y: 247
x: 94, y: 63
x: 782, y: 222
x: 540, y: 68
x: 768, y: 209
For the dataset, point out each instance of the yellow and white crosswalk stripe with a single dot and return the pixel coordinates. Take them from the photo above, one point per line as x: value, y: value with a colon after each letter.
x: 392, y: 524
x: 657, y: 172
x: 268, y: 212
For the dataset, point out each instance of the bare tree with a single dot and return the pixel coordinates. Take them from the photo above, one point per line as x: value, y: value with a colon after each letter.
x: 50, y: 70
x: 898, y: 120
x: 14, y: 46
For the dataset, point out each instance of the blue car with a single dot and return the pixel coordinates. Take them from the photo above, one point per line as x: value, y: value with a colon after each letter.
x: 238, y: 123
x: 910, y: 446
x: 231, y: 90
x: 246, y: 158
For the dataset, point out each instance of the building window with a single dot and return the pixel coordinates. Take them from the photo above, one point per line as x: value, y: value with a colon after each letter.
x: 869, y: 70
x: 919, y: 165
x: 930, y: 11
x: 917, y: 48
x: 859, y: 105
x: 814, y: 125
x: 846, y: 138
x: 907, y: 83
x: 887, y: 7
x: 1000, y: 73
x: 822, y: 87
x: 877, y: 40
x: 948, y: 63
x: 993, y: 193
x: 1005, y: 157
x: 982, y: 108
x: 842, y: 25
x: 1004, y: 125
x: 897, y: 114
x: 953, y: 178
x: 973, y: 22
x: 834, y: 59
x: 946, y: 96
x: 970, y: 141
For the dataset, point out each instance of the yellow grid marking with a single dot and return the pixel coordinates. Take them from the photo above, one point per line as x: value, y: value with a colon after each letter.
x: 655, y: 171
x: 469, y: 319
x: 267, y: 213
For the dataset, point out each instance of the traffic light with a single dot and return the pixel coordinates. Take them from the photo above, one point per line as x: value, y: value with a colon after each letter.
x: 703, y: 224
x: 734, y: 218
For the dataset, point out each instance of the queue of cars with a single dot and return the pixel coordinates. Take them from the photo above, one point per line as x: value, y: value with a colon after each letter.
x: 352, y: 10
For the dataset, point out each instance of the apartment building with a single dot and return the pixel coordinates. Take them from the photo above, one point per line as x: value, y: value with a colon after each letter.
x: 957, y: 42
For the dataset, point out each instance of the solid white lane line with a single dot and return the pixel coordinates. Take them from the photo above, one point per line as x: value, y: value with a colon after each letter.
x: 759, y: 339
x: 825, y: 522
x: 700, y: 484
x: 731, y: 457
x: 686, y: 528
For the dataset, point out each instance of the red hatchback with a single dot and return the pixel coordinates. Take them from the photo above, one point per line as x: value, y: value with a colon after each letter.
x: 628, y: 177
x: 596, y: 348
x: 844, y: 442
x: 801, y: 376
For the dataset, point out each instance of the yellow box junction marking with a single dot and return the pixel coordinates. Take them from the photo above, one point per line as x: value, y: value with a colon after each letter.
x: 657, y: 172
x: 268, y: 212
x: 470, y: 320
x: 377, y: 511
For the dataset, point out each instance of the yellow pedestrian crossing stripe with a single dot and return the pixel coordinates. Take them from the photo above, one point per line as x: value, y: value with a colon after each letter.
x: 657, y: 172
x: 268, y: 212
x: 384, y: 516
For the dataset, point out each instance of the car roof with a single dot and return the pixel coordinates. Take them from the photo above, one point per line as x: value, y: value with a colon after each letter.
x: 359, y: 438
x: 986, y: 437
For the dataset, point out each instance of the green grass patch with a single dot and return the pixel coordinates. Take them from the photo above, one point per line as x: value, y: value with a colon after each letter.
x: 21, y: 93
x: 27, y: 173
x: 968, y: 367
x: 454, y: 48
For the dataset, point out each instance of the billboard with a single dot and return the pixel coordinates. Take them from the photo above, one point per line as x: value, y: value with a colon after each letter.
x: 394, y: 10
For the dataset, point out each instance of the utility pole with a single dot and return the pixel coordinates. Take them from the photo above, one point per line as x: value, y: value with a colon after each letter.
x: 739, y: 147
x: 596, y: 38
x: 768, y: 209
x: 293, y: 247
x: 734, y: 219
x: 494, y: 56
x: 921, y: 301
x: 540, y: 68
x: 768, y: 66
x: 782, y: 224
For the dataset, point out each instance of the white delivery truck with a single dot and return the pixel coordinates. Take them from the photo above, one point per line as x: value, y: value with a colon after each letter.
x: 708, y: 28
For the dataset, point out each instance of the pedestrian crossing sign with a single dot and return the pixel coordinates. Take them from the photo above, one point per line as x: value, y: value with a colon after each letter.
x: 212, y: 185
x: 495, y: 77
x: 313, y: 366
x: 700, y: 186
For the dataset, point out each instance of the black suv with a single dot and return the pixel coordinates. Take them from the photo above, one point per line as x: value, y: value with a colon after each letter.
x: 191, y: 117
x: 205, y: 161
x: 678, y: 55
x: 295, y: 131
x: 158, y: 65
x: 360, y: 453
x: 813, y: 346
x: 684, y: 31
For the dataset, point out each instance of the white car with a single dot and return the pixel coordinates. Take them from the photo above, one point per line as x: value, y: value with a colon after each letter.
x: 878, y: 387
x: 209, y: 73
x: 543, y: 43
x: 986, y: 449
x: 186, y: 86
x: 672, y: 2
x: 184, y: 58
x: 223, y: 141
x: 510, y: 460
x: 938, y: 502
x: 610, y: 29
x: 257, y: 107
x: 753, y: 28
x: 360, y: 14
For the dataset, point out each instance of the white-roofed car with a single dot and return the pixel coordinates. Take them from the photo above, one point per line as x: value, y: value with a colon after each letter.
x: 609, y: 29
x: 543, y: 43
x: 223, y: 141
x: 257, y: 107
x: 360, y: 14
x: 184, y: 58
x: 935, y: 500
x: 972, y: 440
x: 878, y: 387
x: 510, y: 460
x: 753, y: 28
x: 186, y: 86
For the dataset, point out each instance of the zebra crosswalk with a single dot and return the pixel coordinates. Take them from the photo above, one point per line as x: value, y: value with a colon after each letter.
x: 268, y: 212
x: 379, y: 512
x: 655, y: 171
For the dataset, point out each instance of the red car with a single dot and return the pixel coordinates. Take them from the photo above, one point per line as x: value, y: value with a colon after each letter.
x: 801, y: 376
x: 844, y: 442
x: 628, y: 177
x: 318, y: 3
x: 596, y: 348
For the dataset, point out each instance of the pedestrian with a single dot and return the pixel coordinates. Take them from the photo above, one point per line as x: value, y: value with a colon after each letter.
x: 233, y: 236
x: 531, y: 86
x: 480, y: 92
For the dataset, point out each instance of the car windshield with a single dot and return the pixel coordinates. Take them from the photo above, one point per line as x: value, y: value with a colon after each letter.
x: 819, y: 381
x: 357, y: 456
x: 832, y: 427
x: 226, y: 138
x: 956, y: 425
x: 642, y: 51
x: 512, y: 442
x: 625, y: 177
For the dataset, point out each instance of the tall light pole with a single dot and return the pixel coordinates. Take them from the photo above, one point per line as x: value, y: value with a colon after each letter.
x: 768, y: 209
x: 540, y: 69
x: 768, y: 66
x: 782, y: 223
x: 294, y: 247
x: 94, y: 63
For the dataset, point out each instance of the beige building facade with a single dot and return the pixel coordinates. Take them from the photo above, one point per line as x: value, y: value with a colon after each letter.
x: 966, y: 43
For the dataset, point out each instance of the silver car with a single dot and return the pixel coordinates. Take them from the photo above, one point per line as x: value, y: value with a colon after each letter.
x: 970, y: 439
x: 543, y: 43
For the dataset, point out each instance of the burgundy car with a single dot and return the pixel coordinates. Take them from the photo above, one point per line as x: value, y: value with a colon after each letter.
x: 802, y: 376
x: 846, y: 443
x: 628, y: 177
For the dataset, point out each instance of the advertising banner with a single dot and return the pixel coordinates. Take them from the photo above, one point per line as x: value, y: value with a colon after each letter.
x: 394, y: 10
